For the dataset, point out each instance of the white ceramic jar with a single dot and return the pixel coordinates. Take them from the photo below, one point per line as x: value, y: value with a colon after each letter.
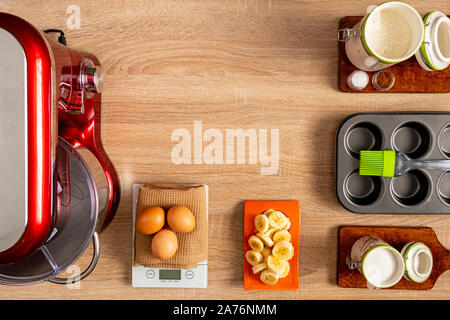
x: 380, y: 264
x: 364, y: 42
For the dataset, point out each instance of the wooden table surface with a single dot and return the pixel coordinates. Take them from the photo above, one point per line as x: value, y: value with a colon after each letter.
x: 231, y: 64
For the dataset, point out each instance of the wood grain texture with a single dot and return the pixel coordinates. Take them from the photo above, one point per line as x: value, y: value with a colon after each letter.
x: 231, y: 64
x: 397, y: 237
x: 409, y: 75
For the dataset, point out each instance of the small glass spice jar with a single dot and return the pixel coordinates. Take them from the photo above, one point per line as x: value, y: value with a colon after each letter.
x: 383, y: 80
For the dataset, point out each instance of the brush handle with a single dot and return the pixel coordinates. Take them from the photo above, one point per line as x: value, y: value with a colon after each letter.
x: 443, y: 165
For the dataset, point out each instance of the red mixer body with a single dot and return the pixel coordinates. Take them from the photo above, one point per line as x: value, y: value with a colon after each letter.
x: 39, y: 137
x: 58, y: 104
x: 80, y: 125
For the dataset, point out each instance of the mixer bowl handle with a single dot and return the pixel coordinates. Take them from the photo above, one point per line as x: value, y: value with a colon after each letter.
x: 89, y: 269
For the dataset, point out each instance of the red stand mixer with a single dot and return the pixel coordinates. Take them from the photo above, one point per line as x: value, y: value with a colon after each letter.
x: 58, y: 186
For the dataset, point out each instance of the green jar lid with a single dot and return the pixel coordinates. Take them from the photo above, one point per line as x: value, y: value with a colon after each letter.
x: 430, y: 55
x: 418, y: 261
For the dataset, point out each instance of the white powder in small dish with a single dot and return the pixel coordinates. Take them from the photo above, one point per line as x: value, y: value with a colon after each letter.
x: 388, y: 34
x: 358, y: 80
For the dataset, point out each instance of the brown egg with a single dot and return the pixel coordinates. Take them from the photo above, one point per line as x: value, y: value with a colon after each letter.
x: 181, y: 219
x: 150, y: 220
x: 164, y: 244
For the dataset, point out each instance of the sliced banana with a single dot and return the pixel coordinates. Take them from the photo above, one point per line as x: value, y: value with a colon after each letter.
x: 259, y: 267
x: 267, y: 212
x: 288, y: 225
x: 281, y: 235
x: 283, y: 250
x: 268, y: 277
x: 270, y: 232
x: 266, y: 239
x: 261, y: 223
x: 287, y: 269
x: 275, y: 265
x: 256, y: 243
x: 277, y: 220
x: 266, y: 252
x: 254, y: 257
x: 271, y: 246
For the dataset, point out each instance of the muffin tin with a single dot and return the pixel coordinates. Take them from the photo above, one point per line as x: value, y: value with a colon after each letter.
x: 419, y: 135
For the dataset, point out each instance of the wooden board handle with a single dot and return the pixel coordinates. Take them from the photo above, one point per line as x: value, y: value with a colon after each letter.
x: 446, y: 260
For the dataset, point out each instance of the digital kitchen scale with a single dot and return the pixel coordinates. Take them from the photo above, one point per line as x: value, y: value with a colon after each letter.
x: 144, y: 277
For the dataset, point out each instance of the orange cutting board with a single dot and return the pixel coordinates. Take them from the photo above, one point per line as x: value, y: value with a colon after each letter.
x: 292, y: 210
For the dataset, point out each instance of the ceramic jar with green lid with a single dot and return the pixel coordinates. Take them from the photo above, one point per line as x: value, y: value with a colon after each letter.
x: 379, y: 263
x: 360, y: 48
x: 430, y: 38
x: 383, y: 266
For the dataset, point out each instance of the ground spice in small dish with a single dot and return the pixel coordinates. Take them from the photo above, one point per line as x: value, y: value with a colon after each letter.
x: 383, y: 80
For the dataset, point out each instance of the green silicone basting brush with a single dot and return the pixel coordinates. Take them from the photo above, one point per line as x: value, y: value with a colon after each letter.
x: 391, y: 163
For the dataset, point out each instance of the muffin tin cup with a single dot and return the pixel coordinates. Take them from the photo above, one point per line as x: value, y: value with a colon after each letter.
x: 362, y: 190
x: 444, y: 141
x: 443, y: 188
x: 412, y: 138
x: 422, y: 136
x: 411, y: 189
x: 363, y: 136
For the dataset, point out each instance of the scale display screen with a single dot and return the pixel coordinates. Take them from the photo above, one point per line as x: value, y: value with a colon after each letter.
x: 169, y: 274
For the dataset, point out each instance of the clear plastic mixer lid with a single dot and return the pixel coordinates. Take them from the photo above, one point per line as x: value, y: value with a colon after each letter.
x: 76, y: 221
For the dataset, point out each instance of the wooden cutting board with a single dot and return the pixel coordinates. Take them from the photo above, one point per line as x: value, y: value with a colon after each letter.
x: 396, y: 237
x: 409, y: 75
